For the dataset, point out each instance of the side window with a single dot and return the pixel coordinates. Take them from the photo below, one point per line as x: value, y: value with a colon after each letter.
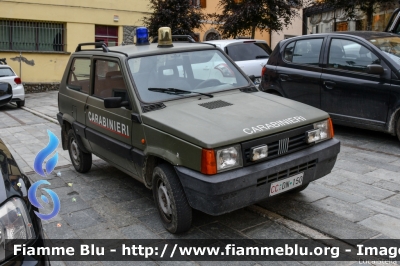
x: 108, y: 81
x: 79, y: 75
x: 288, y: 54
x: 307, y: 51
x: 349, y: 55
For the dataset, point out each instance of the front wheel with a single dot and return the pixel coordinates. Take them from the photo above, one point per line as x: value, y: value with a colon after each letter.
x: 173, y: 207
x: 398, y: 128
x: 81, y: 161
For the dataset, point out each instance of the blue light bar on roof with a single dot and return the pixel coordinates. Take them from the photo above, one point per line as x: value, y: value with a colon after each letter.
x: 142, y: 36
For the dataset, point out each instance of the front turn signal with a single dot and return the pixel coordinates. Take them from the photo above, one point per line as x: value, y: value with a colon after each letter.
x: 208, y: 164
x: 330, y: 124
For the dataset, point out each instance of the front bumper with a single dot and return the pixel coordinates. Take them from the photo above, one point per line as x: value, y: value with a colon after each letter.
x: 232, y: 190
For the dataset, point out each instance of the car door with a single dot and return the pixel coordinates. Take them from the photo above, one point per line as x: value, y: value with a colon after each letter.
x: 348, y: 92
x: 250, y: 56
x: 109, y: 130
x: 299, y: 71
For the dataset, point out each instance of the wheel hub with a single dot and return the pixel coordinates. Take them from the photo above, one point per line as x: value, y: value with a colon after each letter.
x: 164, y: 200
x: 75, y: 152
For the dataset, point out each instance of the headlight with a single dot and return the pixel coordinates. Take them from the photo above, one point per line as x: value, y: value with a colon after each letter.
x: 322, y: 131
x: 15, y: 224
x: 214, y: 161
x: 229, y: 158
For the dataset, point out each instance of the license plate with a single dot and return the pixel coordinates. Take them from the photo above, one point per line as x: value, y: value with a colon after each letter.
x: 286, y: 184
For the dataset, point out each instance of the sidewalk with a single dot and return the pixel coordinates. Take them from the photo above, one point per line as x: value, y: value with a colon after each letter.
x: 359, y: 200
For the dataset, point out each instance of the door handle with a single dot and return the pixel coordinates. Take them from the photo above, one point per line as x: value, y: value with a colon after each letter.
x: 284, y: 77
x: 329, y: 84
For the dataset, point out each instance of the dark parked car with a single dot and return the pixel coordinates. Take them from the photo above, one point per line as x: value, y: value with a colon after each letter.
x: 355, y: 77
x: 5, y: 93
x: 18, y: 222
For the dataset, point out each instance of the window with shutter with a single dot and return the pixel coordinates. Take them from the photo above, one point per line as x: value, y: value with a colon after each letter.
x: 203, y: 3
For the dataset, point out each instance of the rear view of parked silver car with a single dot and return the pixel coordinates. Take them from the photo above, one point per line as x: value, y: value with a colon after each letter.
x: 250, y: 55
x: 9, y: 76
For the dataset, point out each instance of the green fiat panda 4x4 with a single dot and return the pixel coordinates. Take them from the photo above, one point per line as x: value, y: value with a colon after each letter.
x: 184, y: 120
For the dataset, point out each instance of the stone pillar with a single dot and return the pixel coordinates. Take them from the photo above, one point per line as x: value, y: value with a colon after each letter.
x: 352, y: 25
x: 128, y: 34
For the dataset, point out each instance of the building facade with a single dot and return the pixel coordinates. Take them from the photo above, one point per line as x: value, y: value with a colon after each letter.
x: 37, y: 36
x: 320, y: 18
x: 209, y: 30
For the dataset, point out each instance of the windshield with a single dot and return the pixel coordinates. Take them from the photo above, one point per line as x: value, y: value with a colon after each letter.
x: 389, y: 45
x: 204, y: 71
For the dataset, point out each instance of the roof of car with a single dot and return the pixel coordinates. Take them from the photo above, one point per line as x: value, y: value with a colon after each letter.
x: 225, y: 42
x: 363, y: 34
x: 152, y: 49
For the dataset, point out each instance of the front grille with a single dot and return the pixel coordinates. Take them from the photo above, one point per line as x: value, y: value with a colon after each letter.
x: 287, y: 173
x: 278, y: 144
x: 215, y: 104
x: 152, y: 107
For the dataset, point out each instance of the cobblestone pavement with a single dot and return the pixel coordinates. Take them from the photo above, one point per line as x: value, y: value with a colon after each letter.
x: 359, y: 200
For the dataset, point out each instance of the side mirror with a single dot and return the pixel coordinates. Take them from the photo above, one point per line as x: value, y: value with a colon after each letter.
x: 115, y: 102
x: 375, y: 69
x: 5, y: 93
x: 252, y: 78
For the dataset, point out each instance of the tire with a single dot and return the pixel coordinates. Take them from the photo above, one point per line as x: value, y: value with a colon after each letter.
x: 21, y: 103
x: 298, y: 189
x: 167, y: 190
x: 275, y: 93
x: 81, y: 161
x: 398, y: 128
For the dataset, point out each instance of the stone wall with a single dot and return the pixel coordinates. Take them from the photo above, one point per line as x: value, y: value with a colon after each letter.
x: 128, y: 34
x: 40, y: 87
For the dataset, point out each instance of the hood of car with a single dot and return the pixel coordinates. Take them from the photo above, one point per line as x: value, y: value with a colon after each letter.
x: 231, y: 118
x: 12, y: 181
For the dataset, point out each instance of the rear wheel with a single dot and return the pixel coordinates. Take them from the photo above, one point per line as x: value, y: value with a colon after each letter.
x: 21, y: 103
x: 81, y: 161
x: 173, y: 207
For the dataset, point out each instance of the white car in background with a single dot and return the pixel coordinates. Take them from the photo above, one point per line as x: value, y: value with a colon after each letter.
x: 8, y: 75
x: 249, y: 54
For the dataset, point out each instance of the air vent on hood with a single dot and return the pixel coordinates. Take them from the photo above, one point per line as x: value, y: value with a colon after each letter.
x: 152, y: 107
x: 215, y: 104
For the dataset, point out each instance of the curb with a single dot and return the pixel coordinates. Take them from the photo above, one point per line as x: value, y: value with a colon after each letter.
x: 40, y: 115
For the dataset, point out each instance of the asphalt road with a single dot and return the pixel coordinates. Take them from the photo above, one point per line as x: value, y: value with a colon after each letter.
x: 359, y: 200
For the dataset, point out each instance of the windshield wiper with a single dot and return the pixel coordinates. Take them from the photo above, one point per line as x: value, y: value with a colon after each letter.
x: 261, y: 56
x: 173, y: 91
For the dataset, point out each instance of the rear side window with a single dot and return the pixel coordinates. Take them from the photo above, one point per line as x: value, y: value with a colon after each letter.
x: 288, y: 54
x: 248, y: 51
x: 304, y: 51
x: 79, y: 75
x: 6, y: 72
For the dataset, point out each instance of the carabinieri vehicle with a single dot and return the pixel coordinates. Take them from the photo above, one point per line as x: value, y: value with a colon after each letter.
x: 183, y: 119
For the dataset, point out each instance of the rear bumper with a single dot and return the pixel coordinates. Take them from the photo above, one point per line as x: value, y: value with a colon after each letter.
x: 232, y: 190
x: 18, y: 93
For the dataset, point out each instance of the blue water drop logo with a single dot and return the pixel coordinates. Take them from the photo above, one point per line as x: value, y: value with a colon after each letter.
x: 54, y: 197
x: 43, y: 154
x: 38, y: 167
